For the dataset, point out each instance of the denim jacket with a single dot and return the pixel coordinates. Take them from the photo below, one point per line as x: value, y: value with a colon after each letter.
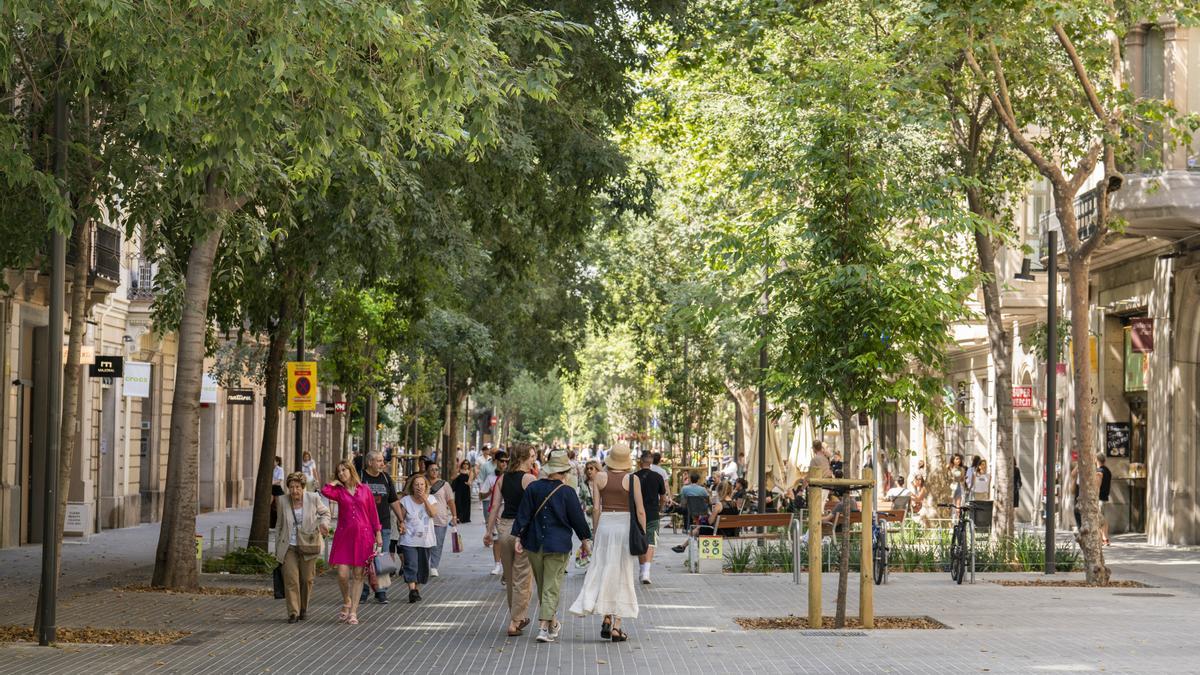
x: 562, y: 515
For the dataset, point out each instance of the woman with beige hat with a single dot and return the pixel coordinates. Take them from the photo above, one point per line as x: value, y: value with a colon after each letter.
x: 610, y: 583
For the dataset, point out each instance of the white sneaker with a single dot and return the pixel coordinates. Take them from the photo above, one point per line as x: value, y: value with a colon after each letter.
x: 646, y: 577
x: 544, y: 636
x: 497, y: 570
x: 555, y: 629
x: 433, y: 571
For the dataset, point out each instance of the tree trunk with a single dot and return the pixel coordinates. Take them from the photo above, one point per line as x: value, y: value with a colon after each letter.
x: 1000, y: 343
x: 743, y: 402
x: 260, y: 519
x: 846, y: 418
x: 457, y: 397
x: 175, y: 559
x: 1089, y: 535
x: 72, y: 403
x: 370, y: 417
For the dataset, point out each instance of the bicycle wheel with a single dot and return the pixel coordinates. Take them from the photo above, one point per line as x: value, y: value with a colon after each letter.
x: 879, y: 551
x: 958, y: 555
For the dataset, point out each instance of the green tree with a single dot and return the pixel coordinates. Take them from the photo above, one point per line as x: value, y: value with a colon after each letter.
x: 1057, y: 67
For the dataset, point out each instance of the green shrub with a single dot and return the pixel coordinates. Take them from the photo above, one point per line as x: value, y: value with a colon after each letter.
x: 251, y: 560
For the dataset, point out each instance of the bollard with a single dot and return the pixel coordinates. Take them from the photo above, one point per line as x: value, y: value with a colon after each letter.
x: 814, y: 557
x: 199, y: 553
x: 866, y: 578
x: 228, y: 529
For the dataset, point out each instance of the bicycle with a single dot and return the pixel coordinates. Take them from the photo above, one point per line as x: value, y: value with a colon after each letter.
x: 879, y: 549
x: 958, y: 542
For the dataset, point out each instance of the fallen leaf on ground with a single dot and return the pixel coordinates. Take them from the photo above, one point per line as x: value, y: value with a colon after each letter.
x: 801, y: 622
x: 1070, y: 583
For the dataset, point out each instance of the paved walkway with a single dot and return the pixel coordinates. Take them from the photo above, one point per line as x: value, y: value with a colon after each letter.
x: 685, y: 625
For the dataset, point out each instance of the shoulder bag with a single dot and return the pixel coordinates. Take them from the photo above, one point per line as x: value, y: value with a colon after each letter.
x: 638, y: 544
x: 307, y: 544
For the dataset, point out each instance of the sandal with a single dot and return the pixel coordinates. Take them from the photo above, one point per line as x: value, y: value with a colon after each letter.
x: 516, y: 632
x: 353, y: 621
x: 344, y: 614
x: 606, y: 629
x: 619, y: 635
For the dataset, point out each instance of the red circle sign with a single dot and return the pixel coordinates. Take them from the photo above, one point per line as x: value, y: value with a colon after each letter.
x: 303, y: 386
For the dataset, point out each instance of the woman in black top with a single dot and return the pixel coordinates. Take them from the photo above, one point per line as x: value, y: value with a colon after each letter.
x: 518, y: 575
x: 462, y: 491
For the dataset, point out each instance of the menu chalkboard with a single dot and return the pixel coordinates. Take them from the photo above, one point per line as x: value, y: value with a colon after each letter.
x: 1116, y: 439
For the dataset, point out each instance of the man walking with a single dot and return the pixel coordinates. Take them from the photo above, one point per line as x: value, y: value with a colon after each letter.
x: 384, y: 491
x: 654, y: 497
x: 549, y: 512
x: 657, y: 468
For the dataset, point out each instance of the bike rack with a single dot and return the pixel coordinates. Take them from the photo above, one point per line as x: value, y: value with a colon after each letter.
x: 971, y: 529
x: 795, y: 528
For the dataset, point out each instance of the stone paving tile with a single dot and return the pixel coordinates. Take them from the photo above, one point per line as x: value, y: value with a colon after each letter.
x: 685, y: 625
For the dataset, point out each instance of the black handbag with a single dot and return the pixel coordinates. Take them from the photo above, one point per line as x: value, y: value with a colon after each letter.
x: 638, y: 544
x: 277, y: 581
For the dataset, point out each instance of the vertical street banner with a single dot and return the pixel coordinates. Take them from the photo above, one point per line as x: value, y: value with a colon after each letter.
x: 208, y: 389
x: 1142, y: 335
x: 301, y: 386
x: 137, y: 380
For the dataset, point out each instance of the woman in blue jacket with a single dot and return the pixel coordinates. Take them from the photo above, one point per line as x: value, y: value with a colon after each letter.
x: 549, y: 513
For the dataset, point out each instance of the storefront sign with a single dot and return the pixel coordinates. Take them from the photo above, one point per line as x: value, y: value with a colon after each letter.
x: 339, y: 406
x: 1141, y: 335
x: 107, y: 366
x: 1022, y: 396
x: 77, y: 518
x: 302, y: 386
x: 239, y: 396
x: 208, y: 389
x: 137, y: 380
x: 1116, y: 439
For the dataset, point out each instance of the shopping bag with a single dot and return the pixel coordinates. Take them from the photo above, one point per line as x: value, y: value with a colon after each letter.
x: 456, y: 544
x: 277, y: 582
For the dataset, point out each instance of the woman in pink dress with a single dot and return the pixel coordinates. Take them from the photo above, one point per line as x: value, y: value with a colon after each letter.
x: 358, y: 537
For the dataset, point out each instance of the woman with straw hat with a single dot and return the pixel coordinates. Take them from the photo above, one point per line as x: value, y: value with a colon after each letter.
x: 609, y: 586
x: 549, y: 514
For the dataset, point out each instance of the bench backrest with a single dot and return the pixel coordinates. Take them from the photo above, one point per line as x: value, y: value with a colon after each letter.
x: 695, y: 506
x: 754, y: 520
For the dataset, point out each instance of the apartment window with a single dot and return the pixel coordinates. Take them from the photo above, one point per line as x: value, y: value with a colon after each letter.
x: 1152, y: 86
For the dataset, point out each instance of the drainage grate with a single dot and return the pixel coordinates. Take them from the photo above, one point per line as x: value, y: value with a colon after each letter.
x: 1146, y: 595
x: 833, y: 633
x: 197, y: 638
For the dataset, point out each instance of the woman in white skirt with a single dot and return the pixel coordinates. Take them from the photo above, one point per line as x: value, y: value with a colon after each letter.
x: 611, y: 580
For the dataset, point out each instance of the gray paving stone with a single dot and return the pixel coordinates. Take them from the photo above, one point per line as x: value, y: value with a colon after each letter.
x: 685, y: 626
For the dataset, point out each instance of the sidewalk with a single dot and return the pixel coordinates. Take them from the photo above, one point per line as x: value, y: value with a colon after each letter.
x: 685, y: 626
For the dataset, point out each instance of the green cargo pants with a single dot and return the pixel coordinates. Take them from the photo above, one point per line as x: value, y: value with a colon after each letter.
x: 548, y: 570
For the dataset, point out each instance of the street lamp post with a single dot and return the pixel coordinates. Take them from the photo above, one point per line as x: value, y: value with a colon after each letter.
x: 1051, y: 388
x: 1051, y: 394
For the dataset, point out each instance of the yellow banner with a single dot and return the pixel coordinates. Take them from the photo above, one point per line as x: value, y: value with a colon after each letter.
x: 301, y: 386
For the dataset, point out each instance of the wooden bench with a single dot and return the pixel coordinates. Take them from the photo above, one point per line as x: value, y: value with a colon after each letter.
x: 780, y: 520
x: 887, y: 516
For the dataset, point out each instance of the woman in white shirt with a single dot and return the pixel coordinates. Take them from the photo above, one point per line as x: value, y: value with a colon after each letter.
x: 309, y: 467
x: 417, y: 536
x: 276, y: 489
x: 980, y: 481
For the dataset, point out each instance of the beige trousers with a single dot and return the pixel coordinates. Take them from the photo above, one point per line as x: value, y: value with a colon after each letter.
x: 518, y: 575
x: 298, y: 575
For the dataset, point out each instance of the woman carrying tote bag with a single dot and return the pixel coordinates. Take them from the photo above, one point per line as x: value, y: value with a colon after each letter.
x: 611, y: 580
x: 299, y: 540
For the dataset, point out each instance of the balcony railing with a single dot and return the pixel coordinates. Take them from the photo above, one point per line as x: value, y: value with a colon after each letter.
x: 104, y: 258
x: 1087, y: 209
x: 141, y: 282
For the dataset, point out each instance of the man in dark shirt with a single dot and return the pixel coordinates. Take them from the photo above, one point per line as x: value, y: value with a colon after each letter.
x: 1105, y: 479
x: 384, y: 491
x: 654, y: 496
